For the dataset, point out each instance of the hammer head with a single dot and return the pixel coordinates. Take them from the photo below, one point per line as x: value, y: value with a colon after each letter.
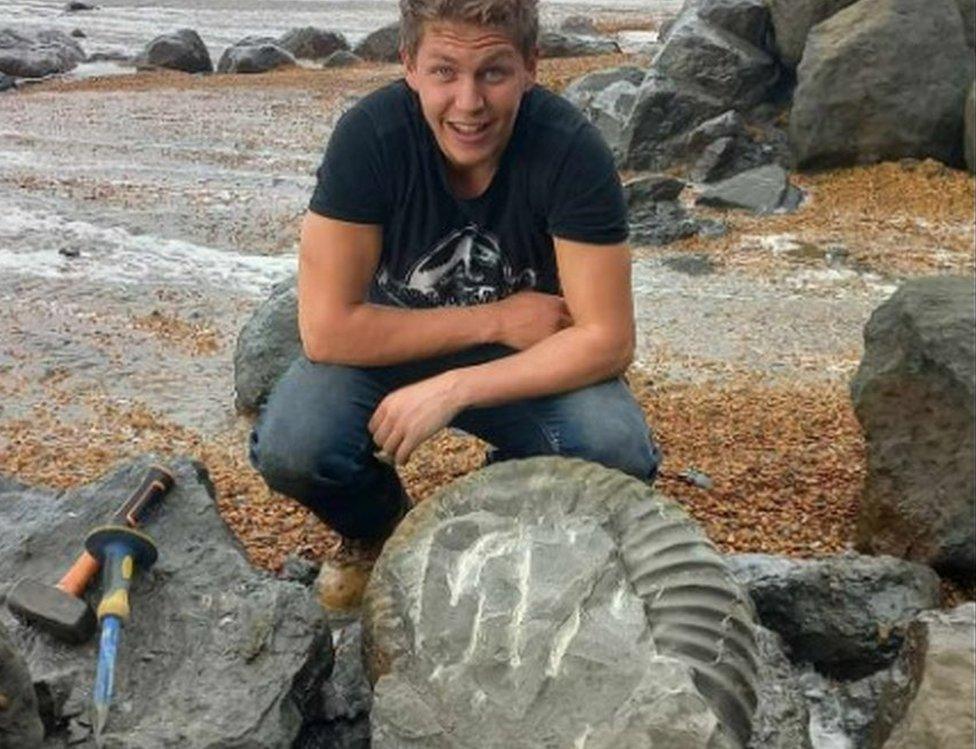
x: 52, y: 610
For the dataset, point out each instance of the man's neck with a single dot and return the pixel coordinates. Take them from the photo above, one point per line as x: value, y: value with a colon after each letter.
x: 470, y: 184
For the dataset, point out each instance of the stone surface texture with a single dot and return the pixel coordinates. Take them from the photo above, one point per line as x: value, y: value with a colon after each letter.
x: 253, y: 59
x: 182, y: 50
x: 214, y: 647
x: 552, y: 602
x: 383, y: 45
x: 882, y: 80
x: 267, y: 344
x: 969, y: 129
x: 942, y: 713
x: 341, y: 58
x: 914, y: 396
x: 560, y: 44
x: 746, y: 19
x: 310, y: 43
x: 846, y: 615
x: 782, y: 717
x: 760, y: 190
x: 20, y: 721
x: 792, y: 21
x: 35, y: 54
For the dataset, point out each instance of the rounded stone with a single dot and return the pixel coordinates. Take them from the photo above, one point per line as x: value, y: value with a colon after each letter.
x: 555, y: 602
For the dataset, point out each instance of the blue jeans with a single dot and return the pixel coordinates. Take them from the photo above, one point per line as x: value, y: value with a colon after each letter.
x: 311, y: 441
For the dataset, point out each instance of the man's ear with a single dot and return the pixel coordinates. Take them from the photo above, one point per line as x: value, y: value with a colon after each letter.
x: 532, y: 67
x: 409, y: 68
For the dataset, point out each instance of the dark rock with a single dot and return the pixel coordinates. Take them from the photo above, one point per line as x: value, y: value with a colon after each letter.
x: 266, y: 346
x: 845, y: 615
x: 7, y: 83
x: 969, y: 129
x: 652, y: 188
x: 942, y: 713
x: 110, y: 56
x: 664, y: 113
x: 558, y: 44
x: 579, y: 25
x: 77, y: 5
x: 782, y: 716
x: 210, y: 653
x: 609, y: 111
x: 582, y: 90
x: 256, y: 59
x: 880, y: 80
x: 310, y: 43
x: 538, y: 601
x: 762, y: 190
x: 747, y: 19
x: 255, y: 40
x: 383, y: 45
x: 725, y: 67
x: 69, y: 252
x: 182, y: 50
x: 914, y: 396
x: 341, y: 59
x: 792, y: 21
x: 967, y: 10
x: 661, y: 223
x: 36, y: 54
x: 79, y: 34
x: 20, y: 721
x: 722, y: 147
x: 298, y: 569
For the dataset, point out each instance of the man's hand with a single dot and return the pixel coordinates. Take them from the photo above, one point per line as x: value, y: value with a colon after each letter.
x: 528, y: 317
x: 408, y: 416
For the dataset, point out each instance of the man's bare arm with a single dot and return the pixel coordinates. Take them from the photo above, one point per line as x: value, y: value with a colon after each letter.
x: 336, y: 265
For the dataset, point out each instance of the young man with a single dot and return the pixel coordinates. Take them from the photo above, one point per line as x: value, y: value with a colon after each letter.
x: 462, y: 263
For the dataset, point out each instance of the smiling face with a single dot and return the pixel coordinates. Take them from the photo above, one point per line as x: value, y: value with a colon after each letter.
x: 470, y: 80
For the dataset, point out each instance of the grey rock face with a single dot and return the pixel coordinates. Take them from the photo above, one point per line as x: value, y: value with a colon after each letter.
x: 551, y: 601
x: 559, y: 44
x: 722, y: 147
x: 20, y: 722
x: 609, y: 111
x: 782, y: 716
x: 969, y: 128
x: 846, y: 615
x: 661, y: 223
x: 213, y: 647
x: 582, y: 91
x: 266, y: 346
x: 255, y: 40
x: 664, y: 113
x: 182, y: 50
x: 383, y: 45
x: 913, y: 395
x: 253, y: 59
x: 6, y: 82
x: 942, y: 713
x: 652, y: 188
x: 747, y: 19
x: 882, y: 79
x: 35, y: 54
x: 724, y: 66
x: 341, y: 58
x: 310, y: 43
x: 967, y: 10
x: 792, y: 21
x: 761, y: 190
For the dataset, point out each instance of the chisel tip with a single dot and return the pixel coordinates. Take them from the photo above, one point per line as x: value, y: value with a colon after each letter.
x: 100, y: 716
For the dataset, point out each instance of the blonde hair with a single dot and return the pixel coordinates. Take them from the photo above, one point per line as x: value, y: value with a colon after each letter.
x: 519, y: 19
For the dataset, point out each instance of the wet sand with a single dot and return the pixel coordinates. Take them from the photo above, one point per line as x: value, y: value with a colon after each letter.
x: 145, y: 217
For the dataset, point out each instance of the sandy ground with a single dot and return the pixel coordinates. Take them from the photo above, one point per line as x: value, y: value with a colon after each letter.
x: 747, y: 342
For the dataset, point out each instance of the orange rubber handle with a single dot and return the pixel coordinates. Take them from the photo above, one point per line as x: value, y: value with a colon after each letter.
x: 76, y: 580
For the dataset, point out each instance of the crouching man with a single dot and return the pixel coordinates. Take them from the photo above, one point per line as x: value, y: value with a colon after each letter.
x: 462, y: 263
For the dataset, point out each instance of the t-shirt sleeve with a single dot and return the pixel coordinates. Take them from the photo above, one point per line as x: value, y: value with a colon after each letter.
x: 586, y: 199
x: 350, y: 187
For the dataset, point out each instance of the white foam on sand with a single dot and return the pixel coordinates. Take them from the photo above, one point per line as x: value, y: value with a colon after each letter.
x: 31, y: 241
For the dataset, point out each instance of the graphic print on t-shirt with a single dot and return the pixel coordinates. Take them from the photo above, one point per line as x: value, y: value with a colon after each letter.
x: 465, y: 267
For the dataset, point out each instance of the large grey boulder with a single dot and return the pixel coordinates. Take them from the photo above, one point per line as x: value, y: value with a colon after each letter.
x: 721, y: 64
x: 609, y: 111
x: 747, y: 19
x: 584, y: 89
x: 214, y: 647
x: 341, y: 58
x: 552, y: 602
x: 20, y: 721
x: 942, y: 713
x: 969, y: 129
x: 664, y: 113
x: 383, y: 45
x: 310, y: 43
x: 723, y: 147
x: 266, y: 346
x: 967, y: 11
x: 792, y: 21
x: 782, y: 715
x: 914, y: 396
x: 181, y: 50
x: 559, y: 44
x: 882, y: 79
x: 762, y: 190
x: 35, y: 54
x: 258, y: 58
x: 845, y: 615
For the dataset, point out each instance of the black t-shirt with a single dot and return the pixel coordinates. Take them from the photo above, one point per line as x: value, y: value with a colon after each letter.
x: 556, y: 177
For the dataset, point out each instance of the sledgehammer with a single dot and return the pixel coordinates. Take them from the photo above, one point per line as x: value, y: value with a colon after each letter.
x: 60, y: 609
